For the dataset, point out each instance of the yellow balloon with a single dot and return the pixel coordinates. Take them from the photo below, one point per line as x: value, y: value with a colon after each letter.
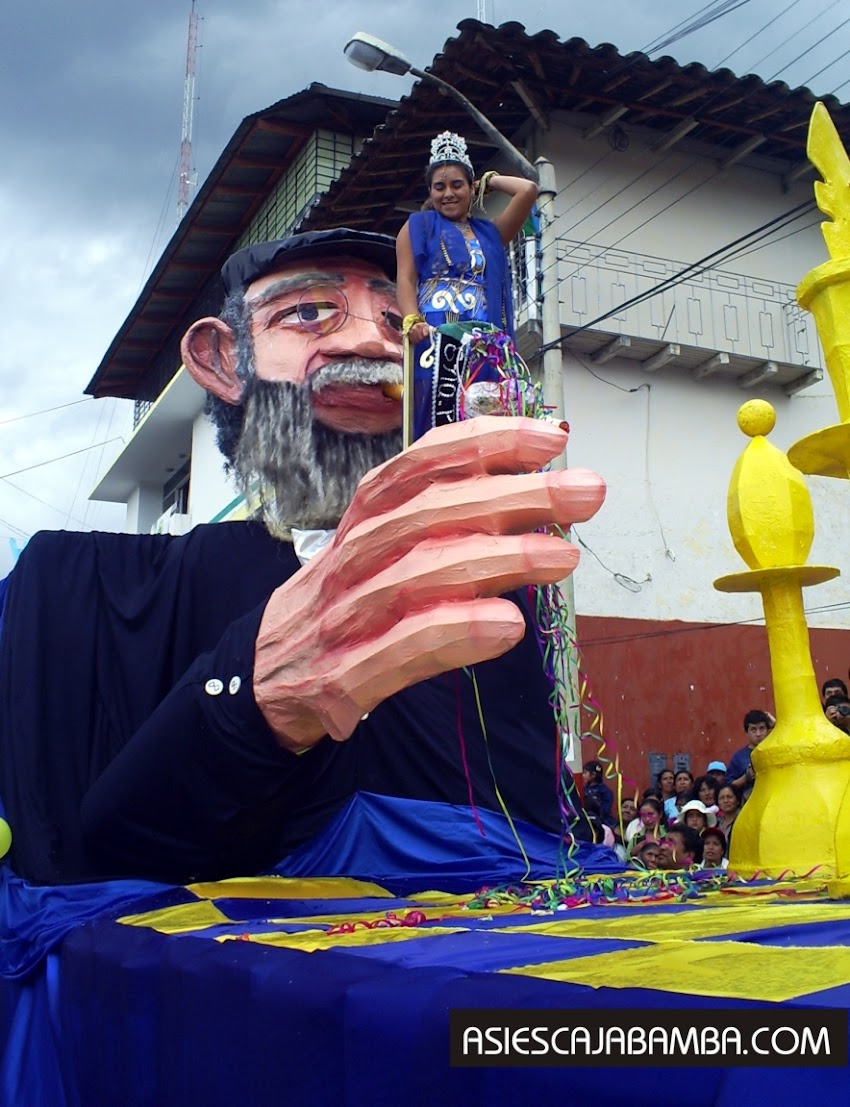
x: 5, y: 837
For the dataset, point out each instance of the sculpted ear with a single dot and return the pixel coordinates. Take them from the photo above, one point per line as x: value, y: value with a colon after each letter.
x: 208, y: 350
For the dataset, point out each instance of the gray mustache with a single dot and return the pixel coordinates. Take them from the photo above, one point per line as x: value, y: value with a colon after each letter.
x: 356, y: 370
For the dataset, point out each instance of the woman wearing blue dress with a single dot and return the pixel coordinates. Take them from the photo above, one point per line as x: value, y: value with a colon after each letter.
x: 453, y: 267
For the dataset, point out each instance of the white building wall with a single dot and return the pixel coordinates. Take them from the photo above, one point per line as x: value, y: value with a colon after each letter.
x: 211, y: 493
x: 667, y: 452
x: 144, y: 507
x: 678, y: 204
x: 664, y: 442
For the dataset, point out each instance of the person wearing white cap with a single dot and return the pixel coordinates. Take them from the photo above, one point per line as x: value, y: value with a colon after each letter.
x: 696, y: 815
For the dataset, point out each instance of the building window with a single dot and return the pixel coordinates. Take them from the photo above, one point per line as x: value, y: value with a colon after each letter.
x: 312, y: 173
x: 175, y: 491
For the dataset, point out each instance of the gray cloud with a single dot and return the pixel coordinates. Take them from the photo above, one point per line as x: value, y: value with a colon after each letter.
x: 90, y: 116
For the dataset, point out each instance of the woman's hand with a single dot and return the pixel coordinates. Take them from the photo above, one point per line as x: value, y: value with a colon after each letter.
x: 418, y: 333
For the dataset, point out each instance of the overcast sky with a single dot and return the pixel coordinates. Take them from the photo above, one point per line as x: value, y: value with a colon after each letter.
x: 91, y: 117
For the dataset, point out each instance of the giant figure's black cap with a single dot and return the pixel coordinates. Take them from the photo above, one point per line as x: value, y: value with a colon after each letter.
x: 247, y: 265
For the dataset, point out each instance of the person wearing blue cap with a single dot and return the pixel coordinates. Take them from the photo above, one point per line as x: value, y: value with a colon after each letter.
x: 717, y: 769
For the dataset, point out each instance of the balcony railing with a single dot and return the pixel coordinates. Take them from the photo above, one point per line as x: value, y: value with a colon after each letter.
x: 140, y: 410
x: 711, y: 322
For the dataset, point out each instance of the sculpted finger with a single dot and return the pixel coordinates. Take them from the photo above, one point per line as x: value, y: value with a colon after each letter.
x: 418, y: 647
x: 438, y: 572
x: 487, y: 445
x: 513, y: 504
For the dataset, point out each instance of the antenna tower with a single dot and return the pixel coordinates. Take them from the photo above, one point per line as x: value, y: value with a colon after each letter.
x: 185, y: 180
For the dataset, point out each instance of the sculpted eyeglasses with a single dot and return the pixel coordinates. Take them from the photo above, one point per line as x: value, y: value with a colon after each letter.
x: 323, y: 309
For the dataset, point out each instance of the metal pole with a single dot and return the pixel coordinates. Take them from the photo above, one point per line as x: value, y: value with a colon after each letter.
x: 519, y: 163
x: 553, y: 385
x: 553, y: 398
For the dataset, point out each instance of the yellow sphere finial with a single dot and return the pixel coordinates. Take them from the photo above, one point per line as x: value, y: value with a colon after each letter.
x: 756, y: 417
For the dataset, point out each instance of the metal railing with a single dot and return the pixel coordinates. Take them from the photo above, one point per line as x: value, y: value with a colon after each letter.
x: 140, y: 410
x: 714, y: 309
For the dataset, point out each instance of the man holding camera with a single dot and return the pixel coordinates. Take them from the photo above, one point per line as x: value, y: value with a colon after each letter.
x: 837, y: 710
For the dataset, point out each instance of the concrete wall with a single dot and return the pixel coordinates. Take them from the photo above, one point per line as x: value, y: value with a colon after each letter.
x: 666, y: 451
x: 143, y: 508
x: 682, y: 688
x: 210, y: 490
x: 677, y: 204
x: 666, y: 443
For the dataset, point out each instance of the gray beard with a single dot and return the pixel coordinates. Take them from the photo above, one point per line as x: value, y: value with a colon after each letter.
x: 306, y: 474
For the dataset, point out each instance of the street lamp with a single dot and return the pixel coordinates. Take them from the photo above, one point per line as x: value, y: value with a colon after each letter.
x: 369, y: 53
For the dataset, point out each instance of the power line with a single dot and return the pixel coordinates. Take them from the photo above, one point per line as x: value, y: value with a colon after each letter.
x: 829, y: 34
x: 834, y: 61
x: 761, y: 30
x: 785, y: 41
x: 159, y: 225
x: 640, y: 226
x: 95, y: 432
x: 11, y: 526
x: 637, y: 203
x: 730, y: 5
x: 670, y: 632
x: 697, y: 22
x: 770, y: 228
x: 653, y: 44
x: 714, y: 258
x: 46, y: 411
x: 628, y: 185
x: 44, y: 503
x: 696, y: 268
x: 754, y: 249
x: 53, y: 460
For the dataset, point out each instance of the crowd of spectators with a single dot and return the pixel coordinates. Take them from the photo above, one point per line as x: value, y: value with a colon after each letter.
x: 679, y: 822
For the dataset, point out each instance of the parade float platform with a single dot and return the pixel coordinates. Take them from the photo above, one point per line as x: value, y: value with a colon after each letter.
x: 300, y: 990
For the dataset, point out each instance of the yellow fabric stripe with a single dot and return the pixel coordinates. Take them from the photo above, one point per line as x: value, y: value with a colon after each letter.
x: 666, y: 926
x: 179, y: 919
x: 203, y: 913
x: 432, y: 914
x: 286, y: 887
x: 770, y: 974
x: 312, y: 941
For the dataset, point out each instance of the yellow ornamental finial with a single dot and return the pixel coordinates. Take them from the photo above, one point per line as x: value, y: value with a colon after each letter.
x: 772, y: 525
x: 768, y: 506
x: 826, y: 152
x: 825, y: 292
x: 756, y: 417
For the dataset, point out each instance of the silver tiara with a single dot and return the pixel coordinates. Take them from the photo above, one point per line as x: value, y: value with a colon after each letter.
x: 450, y: 147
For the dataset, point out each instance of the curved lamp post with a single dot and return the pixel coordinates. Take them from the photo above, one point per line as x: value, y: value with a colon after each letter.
x: 369, y: 53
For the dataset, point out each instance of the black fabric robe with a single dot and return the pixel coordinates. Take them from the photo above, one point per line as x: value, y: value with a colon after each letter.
x: 116, y: 761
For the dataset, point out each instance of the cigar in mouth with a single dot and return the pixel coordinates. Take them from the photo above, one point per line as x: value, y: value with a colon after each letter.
x: 392, y: 391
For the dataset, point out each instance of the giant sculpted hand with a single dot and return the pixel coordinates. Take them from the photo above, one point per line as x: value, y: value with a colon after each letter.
x: 408, y: 587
